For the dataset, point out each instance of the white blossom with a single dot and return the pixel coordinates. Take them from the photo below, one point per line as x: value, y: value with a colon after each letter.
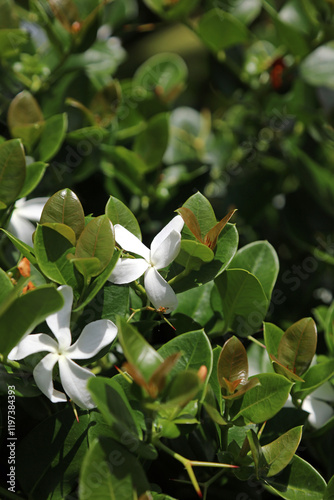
x: 94, y: 337
x: 24, y: 213
x: 164, y: 249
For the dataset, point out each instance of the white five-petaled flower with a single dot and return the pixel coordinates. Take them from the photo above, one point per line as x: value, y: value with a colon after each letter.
x: 164, y: 248
x: 94, y: 337
x: 24, y: 212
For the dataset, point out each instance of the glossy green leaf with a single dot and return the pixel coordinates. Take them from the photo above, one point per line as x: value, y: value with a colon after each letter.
x: 283, y: 370
x: 314, y: 377
x: 243, y: 301
x: 52, y: 137
x: 298, y: 480
x: 260, y: 259
x: 97, y: 284
x: 163, y: 74
x: 25, y: 119
x: 196, y: 303
x: 193, y: 254
x: 119, y: 213
x: 224, y: 252
x: 265, y: 400
x: 150, y: 145
x: 291, y: 37
x: 12, y: 170
x: 87, y: 266
x: 220, y: 30
x: 124, y: 166
x: 26, y: 312
x: 115, y: 408
x: 279, y: 453
x: 121, y: 477
x: 213, y: 380
x: 65, y: 207
x: 272, y: 337
x: 257, y: 452
x: 11, y: 41
x: 23, y: 248
x: 329, y: 493
x: 6, y: 286
x: 196, y: 351
x: 62, y: 229
x: 183, y: 388
x: 51, y: 250
x: 315, y: 69
x: 97, y: 240
x: 297, y: 346
x: 34, y: 174
x: 232, y: 362
x: 137, y: 350
x: 203, y: 211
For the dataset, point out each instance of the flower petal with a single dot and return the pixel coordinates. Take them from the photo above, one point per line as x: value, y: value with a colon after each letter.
x: 59, y: 322
x: 128, y: 270
x: 33, y: 343
x: 167, y: 251
x: 130, y: 242
x: 94, y: 337
x: 21, y: 228
x: 31, y: 209
x: 319, y: 412
x: 176, y: 224
x: 159, y: 291
x: 43, y: 378
x: 74, y: 380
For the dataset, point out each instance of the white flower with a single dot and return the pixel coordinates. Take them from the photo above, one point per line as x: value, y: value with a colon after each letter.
x: 164, y: 248
x: 24, y: 212
x: 318, y: 405
x: 94, y: 337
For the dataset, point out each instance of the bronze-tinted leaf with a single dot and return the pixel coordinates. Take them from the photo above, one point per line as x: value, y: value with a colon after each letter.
x: 282, y: 370
x: 297, y: 346
x: 211, y: 237
x: 191, y: 222
x: 253, y: 382
x: 232, y: 362
x: 158, y: 378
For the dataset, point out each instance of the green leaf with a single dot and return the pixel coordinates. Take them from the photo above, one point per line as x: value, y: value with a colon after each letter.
x: 297, y: 346
x: 220, y: 30
x: 315, y: 69
x: 26, y: 312
x: 52, y: 137
x: 62, y: 229
x: 232, y: 362
x: 291, y: 37
x: 115, y: 408
x: 246, y: 10
x: 49, y: 457
x: 51, y: 250
x: 196, y: 303
x: 97, y: 240
x: 137, y: 350
x: 34, y: 175
x: 203, y: 211
x: 298, y: 480
x: 193, y: 254
x: 260, y: 259
x: 196, y: 351
x: 6, y: 286
x: 12, y: 170
x: 329, y: 493
x: 263, y: 401
x: 272, y: 337
x: 257, y: 452
x: 26, y: 250
x: 150, y: 145
x: 25, y: 119
x: 183, y: 388
x: 11, y: 41
x: 65, y: 207
x: 164, y: 74
x: 225, y: 250
x: 119, y: 213
x: 283, y: 370
x: 122, y: 476
x: 243, y: 301
x: 314, y: 377
x: 213, y: 380
x: 96, y: 285
x: 279, y: 453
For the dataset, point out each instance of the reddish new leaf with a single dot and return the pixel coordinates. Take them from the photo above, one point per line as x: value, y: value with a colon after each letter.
x: 191, y: 222
x: 232, y: 362
x: 211, y: 237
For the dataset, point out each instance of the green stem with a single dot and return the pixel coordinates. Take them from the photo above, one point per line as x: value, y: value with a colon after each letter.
x: 252, y: 339
x: 15, y: 365
x: 178, y: 277
x: 140, y: 289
